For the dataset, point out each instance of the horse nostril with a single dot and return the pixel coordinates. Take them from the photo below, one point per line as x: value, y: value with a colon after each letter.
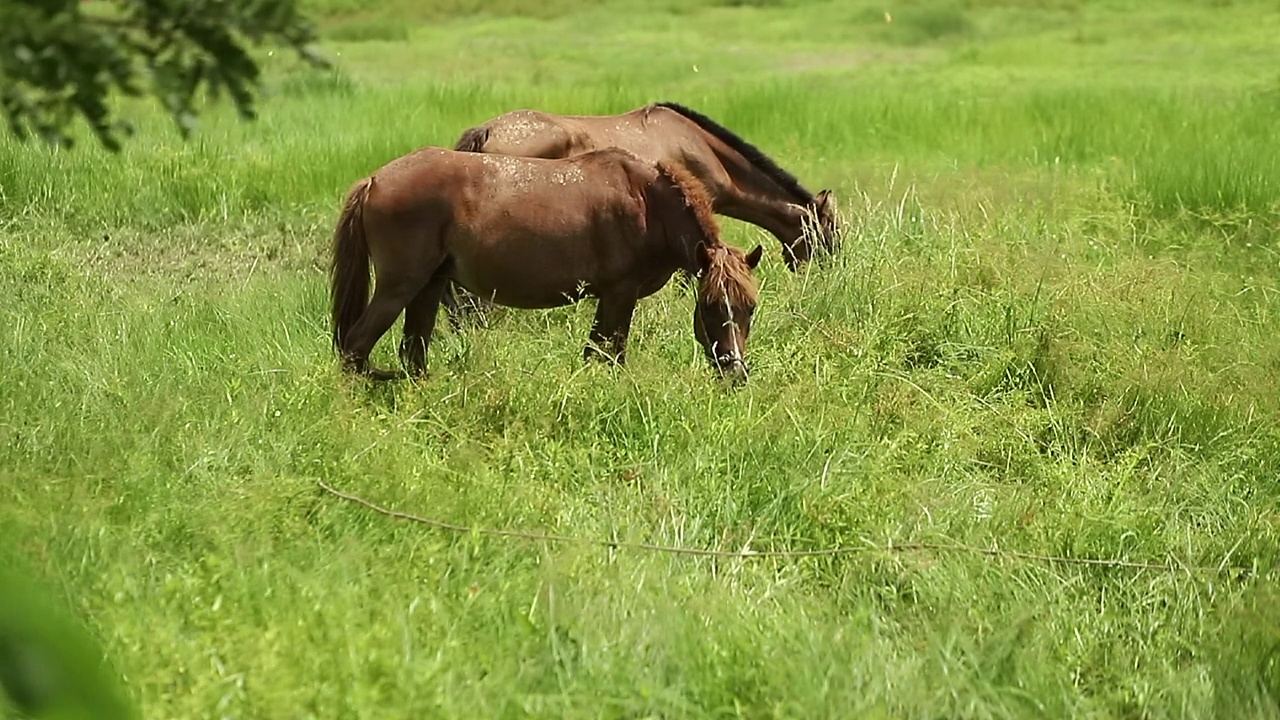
x: 736, y: 373
x: 732, y: 367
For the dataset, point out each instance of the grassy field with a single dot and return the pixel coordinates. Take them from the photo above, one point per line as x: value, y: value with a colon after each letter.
x: 1052, y: 329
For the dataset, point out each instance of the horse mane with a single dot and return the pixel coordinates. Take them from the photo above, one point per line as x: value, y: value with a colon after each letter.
x: 732, y: 278
x: 728, y: 273
x: 753, y: 154
x: 695, y: 197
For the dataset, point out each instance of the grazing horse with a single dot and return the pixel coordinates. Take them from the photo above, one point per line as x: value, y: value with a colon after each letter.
x: 742, y: 181
x: 532, y: 233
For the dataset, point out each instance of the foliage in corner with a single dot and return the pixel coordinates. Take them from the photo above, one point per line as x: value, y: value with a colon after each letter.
x: 50, y: 665
x: 63, y: 59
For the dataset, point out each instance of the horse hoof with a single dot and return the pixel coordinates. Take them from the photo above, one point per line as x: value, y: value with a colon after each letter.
x: 385, y: 375
x: 591, y: 354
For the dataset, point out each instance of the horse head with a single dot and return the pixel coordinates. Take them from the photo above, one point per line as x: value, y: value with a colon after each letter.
x: 819, y: 226
x: 727, y: 299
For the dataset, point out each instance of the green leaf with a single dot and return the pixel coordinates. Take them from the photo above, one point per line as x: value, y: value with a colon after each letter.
x: 49, y: 664
x: 84, y: 62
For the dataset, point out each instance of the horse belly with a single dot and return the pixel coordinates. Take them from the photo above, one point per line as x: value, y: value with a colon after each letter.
x: 524, y: 272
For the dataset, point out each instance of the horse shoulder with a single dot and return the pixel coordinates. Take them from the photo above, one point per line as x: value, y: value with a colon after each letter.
x: 623, y: 169
x: 673, y: 128
x: 657, y: 115
x: 674, y: 138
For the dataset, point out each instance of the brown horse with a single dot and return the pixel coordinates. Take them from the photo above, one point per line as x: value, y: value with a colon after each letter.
x: 742, y: 181
x: 532, y: 233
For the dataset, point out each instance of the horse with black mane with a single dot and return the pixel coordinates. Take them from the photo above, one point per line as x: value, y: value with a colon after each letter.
x: 742, y: 181
x: 532, y: 233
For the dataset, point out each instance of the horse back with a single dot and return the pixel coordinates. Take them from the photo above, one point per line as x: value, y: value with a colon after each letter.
x: 657, y: 134
x: 498, y: 195
x: 565, y: 222
x: 523, y: 133
x: 653, y: 133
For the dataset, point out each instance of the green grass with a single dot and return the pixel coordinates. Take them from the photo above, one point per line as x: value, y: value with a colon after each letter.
x: 1051, y: 329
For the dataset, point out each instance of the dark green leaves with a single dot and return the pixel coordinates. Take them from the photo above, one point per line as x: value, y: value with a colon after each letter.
x: 63, y: 59
x: 50, y: 667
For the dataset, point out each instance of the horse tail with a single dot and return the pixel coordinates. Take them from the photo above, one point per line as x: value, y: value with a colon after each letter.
x: 473, y: 139
x: 349, y: 274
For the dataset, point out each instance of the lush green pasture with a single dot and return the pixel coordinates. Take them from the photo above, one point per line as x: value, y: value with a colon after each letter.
x: 1052, y: 329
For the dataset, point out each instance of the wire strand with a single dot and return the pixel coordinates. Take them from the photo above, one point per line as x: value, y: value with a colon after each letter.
x: 867, y: 546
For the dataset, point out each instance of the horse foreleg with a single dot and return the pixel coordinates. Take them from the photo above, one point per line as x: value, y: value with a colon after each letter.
x: 609, y: 331
x: 420, y: 323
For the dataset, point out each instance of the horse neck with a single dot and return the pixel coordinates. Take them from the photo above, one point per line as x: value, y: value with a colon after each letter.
x: 753, y: 196
x: 686, y: 236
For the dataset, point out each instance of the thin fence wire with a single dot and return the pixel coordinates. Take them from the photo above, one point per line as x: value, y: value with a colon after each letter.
x: 865, y: 547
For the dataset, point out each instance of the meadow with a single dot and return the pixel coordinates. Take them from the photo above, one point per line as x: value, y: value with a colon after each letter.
x: 1051, y: 329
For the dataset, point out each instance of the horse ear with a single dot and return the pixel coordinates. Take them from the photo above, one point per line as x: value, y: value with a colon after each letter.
x: 753, y: 257
x: 704, y: 256
x: 824, y: 205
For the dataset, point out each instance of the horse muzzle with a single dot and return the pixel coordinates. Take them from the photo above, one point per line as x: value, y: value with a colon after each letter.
x: 733, y: 369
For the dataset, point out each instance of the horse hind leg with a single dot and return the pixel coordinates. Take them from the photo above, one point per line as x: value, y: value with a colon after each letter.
x: 383, y: 309
x: 420, y: 323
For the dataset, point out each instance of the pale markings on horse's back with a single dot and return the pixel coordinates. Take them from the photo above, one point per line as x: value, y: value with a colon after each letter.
x: 523, y: 175
x: 567, y: 176
x: 511, y: 170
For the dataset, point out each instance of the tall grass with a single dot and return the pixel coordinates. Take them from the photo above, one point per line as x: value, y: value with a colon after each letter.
x: 1023, y: 345
x: 931, y: 385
